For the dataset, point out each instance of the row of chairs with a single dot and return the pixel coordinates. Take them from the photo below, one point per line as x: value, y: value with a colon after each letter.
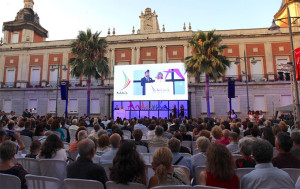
x: 43, y: 182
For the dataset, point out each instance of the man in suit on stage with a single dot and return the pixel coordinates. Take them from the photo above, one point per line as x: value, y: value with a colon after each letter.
x: 146, y: 79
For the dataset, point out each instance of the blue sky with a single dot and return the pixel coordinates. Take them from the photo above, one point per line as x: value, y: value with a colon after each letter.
x: 64, y: 18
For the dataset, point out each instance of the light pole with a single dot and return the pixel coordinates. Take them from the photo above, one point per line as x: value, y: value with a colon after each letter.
x: 57, y: 82
x: 253, y: 61
x: 275, y: 27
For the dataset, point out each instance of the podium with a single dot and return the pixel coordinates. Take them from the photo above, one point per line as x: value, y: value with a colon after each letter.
x: 120, y: 113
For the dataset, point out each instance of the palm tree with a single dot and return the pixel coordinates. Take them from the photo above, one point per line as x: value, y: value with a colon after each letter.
x: 89, y: 61
x: 207, y: 58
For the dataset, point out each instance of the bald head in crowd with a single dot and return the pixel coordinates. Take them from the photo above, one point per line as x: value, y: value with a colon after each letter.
x: 86, y: 148
x: 115, y: 140
x: 82, y: 135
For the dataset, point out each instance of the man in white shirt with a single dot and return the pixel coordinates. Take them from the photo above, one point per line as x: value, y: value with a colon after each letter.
x: 265, y: 174
x: 115, y: 141
x: 74, y: 125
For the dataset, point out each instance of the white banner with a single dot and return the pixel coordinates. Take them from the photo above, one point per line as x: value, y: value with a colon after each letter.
x: 150, y: 82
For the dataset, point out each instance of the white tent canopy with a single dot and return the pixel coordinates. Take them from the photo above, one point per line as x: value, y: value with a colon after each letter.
x: 288, y: 108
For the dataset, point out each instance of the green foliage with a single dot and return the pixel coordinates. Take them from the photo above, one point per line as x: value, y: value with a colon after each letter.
x: 207, y: 55
x: 89, y: 50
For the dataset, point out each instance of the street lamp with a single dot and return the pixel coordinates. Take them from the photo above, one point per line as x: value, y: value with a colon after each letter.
x: 53, y: 68
x: 274, y: 27
x: 253, y: 61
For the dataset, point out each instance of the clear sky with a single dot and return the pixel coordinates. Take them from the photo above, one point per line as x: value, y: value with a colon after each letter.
x: 64, y: 18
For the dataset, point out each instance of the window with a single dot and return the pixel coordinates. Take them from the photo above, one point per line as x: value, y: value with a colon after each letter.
x: 51, y: 105
x: 282, y: 65
x: 285, y: 100
x: 231, y: 71
x: 73, y: 106
x: 95, y: 106
x: 204, y: 104
x: 235, y: 104
x: 55, y: 58
x: 7, y: 106
x: 35, y: 76
x: 10, y: 76
x: 281, y: 48
x: 174, y: 53
x: 15, y: 38
x: 32, y: 104
x: 11, y: 61
x: 229, y: 51
x: 123, y: 55
x: 36, y: 60
x: 148, y: 54
x: 53, y: 75
x: 257, y: 70
x: 259, y: 103
x: 255, y: 49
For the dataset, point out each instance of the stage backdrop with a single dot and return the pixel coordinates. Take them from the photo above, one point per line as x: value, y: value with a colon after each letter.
x: 150, y: 82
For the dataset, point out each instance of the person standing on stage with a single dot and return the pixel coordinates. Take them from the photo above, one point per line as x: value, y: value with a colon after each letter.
x: 175, y: 111
x: 181, y: 111
x: 144, y: 80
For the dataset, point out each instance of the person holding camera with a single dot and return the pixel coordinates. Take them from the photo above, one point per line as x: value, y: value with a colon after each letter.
x: 13, y: 136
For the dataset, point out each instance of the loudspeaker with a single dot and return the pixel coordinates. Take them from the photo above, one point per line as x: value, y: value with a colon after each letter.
x: 64, y: 90
x: 231, y: 88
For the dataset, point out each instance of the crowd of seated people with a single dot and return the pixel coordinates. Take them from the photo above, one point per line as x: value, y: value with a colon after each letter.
x: 221, y: 146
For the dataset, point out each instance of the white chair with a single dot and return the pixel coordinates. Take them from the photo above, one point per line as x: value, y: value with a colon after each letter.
x: 32, y: 165
x: 193, y: 146
x: 73, y: 155
x: 9, y: 181
x: 144, y: 137
x: 82, y: 183
x: 54, y: 168
x: 27, y: 141
x: 127, y: 133
x: 198, y: 170
x: 126, y: 137
x: 297, y: 185
x: 37, y: 137
x: 173, y: 186
x: 240, y: 172
x: 147, y: 158
x: 186, y: 155
x: 113, y: 185
x: 96, y: 159
x: 206, y: 187
x: 141, y: 149
x: 187, y: 170
x: 187, y: 144
x: 152, y: 149
x: 41, y: 182
x: 72, y: 135
x: 66, y: 146
x: 149, y: 172
x: 106, y: 167
x: 237, y: 156
x: 293, y: 172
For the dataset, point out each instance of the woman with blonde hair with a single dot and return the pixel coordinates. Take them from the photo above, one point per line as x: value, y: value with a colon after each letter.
x: 165, y: 174
x: 220, y: 168
x: 216, y: 132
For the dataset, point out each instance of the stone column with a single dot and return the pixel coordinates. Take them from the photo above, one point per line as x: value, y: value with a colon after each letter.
x: 164, y: 56
x: 158, y: 54
x: 133, y: 56
x: 242, y: 48
x: 2, y: 69
x: 20, y: 70
x: 185, y: 51
x: 138, y: 54
x: 45, y: 69
x: 269, y: 58
x: 112, y: 62
x: 64, y: 62
x: 25, y: 70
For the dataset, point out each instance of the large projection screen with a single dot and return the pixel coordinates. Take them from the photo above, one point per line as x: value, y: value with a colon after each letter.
x: 150, y: 82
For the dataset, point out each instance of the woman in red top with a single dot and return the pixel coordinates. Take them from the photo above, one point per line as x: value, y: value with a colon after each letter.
x: 220, y: 168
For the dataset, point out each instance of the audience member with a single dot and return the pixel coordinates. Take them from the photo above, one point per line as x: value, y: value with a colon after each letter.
x: 81, y: 133
x: 269, y: 136
x: 103, y: 144
x: 74, y: 125
x: 225, y: 137
x: 53, y: 148
x: 121, y: 173
x: 83, y: 167
x: 142, y: 127
x: 185, y: 136
x: 245, y: 148
x: 115, y: 141
x: 233, y: 147
x: 220, y: 168
x: 276, y: 129
x: 94, y: 133
x: 166, y: 133
x: 137, y: 135
x: 296, y: 143
x: 27, y: 131
x: 151, y: 131
x: 165, y: 174
x: 216, y: 132
x: 55, y: 126
x: 202, y: 145
x: 158, y: 140
x: 285, y: 159
x: 178, y: 159
x: 8, y: 150
x: 265, y: 175
x: 35, y: 148
x: 183, y: 149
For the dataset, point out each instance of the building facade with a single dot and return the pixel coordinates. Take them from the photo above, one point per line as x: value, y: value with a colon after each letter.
x: 27, y: 80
